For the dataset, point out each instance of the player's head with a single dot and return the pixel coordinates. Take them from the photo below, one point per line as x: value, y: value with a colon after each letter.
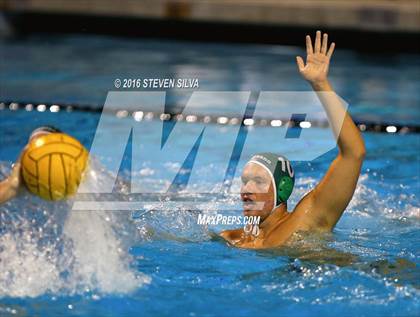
x: 46, y: 129
x: 267, y: 182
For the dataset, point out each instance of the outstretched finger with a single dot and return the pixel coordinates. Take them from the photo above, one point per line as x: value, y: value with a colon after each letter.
x: 331, y: 50
x: 300, y: 63
x: 317, y: 42
x: 324, y: 44
x: 309, y: 49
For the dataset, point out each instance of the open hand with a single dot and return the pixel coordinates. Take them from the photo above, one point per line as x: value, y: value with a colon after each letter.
x: 317, y: 59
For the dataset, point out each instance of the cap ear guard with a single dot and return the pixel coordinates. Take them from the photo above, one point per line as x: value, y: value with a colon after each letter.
x: 284, y: 189
x: 281, y: 172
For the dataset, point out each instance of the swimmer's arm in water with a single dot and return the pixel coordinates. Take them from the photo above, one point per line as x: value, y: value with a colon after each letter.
x: 331, y: 196
x: 9, y: 187
x: 231, y: 235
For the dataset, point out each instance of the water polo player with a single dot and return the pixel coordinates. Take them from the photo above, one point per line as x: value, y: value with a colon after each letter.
x: 269, y: 178
x: 51, y: 166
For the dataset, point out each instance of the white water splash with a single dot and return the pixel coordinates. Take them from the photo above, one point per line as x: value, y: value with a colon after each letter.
x: 26, y: 270
x: 100, y: 259
x: 88, y: 251
x: 46, y: 247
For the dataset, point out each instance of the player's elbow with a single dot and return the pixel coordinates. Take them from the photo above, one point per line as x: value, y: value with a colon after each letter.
x: 361, y: 150
x: 360, y: 153
x: 357, y: 153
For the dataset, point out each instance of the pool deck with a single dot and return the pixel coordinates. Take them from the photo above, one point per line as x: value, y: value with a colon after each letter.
x: 374, y: 15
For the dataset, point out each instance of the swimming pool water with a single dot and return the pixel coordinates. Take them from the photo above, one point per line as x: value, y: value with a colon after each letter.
x: 81, y: 70
x: 86, y: 264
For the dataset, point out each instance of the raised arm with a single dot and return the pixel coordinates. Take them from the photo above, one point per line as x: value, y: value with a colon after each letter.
x: 333, y: 193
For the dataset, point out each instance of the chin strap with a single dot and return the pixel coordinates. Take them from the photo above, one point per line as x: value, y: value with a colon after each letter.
x: 254, y: 230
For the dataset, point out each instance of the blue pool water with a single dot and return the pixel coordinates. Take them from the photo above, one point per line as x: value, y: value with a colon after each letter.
x: 55, y: 262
